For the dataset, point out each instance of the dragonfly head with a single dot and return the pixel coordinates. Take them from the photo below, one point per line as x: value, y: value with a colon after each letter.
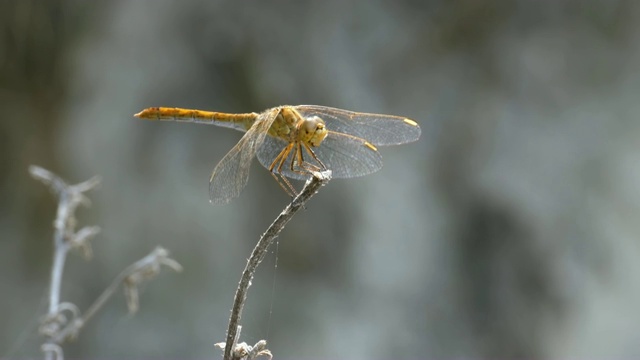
x: 313, y: 131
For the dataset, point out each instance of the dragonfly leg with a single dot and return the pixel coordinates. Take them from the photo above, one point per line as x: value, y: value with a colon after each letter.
x: 293, y: 192
x: 299, y: 165
x: 278, y: 159
x: 297, y: 161
x: 276, y: 172
x: 313, y: 155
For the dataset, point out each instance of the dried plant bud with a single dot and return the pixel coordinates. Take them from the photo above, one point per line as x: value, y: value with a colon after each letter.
x: 51, y: 325
x: 244, y: 351
x: 81, y: 241
x: 131, y: 294
x: 143, y: 270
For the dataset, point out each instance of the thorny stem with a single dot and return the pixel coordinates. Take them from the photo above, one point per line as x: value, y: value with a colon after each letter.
x: 311, y: 187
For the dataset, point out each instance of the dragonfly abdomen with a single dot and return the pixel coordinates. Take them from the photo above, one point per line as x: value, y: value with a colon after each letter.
x: 236, y: 121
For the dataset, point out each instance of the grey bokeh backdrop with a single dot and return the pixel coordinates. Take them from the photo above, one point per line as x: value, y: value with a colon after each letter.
x: 509, y: 230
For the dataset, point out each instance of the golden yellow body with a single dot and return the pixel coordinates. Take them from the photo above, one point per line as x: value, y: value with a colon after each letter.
x: 306, y: 138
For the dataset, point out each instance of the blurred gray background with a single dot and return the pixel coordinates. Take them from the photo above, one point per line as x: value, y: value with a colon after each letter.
x: 510, y: 230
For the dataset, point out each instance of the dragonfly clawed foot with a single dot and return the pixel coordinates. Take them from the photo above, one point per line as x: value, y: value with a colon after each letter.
x: 285, y: 184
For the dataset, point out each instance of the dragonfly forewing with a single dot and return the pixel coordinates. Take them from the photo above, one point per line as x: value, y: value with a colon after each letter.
x: 377, y: 129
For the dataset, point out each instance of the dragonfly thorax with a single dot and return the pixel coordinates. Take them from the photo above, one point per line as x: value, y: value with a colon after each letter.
x: 291, y: 126
x: 285, y: 124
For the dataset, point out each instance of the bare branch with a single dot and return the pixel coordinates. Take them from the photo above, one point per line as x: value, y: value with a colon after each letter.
x: 65, y: 237
x: 131, y: 278
x: 56, y: 325
x: 310, y: 188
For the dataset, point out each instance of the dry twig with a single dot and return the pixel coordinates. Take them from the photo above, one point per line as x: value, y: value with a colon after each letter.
x: 233, y: 350
x: 63, y: 321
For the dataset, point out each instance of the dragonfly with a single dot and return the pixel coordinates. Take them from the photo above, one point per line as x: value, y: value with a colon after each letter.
x: 292, y: 142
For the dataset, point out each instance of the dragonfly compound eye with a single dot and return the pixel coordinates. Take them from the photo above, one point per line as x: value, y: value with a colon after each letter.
x: 315, y: 130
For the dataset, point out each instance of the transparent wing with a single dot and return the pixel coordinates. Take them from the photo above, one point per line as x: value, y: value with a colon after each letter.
x: 378, y: 129
x: 231, y: 174
x: 345, y: 155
